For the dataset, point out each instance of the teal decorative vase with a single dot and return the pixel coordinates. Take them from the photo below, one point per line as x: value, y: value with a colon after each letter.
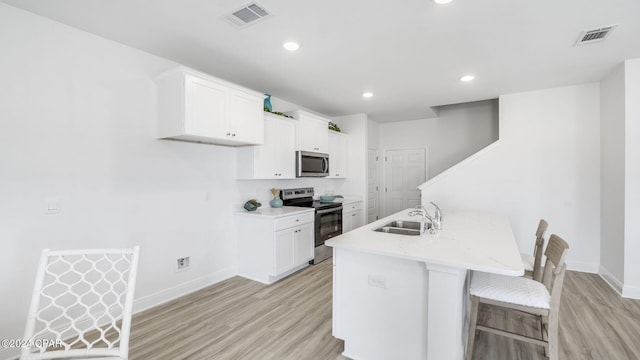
x: 276, y: 202
x: 267, y: 102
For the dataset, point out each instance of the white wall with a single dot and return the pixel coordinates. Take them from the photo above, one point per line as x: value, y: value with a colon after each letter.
x: 612, y: 164
x: 545, y: 165
x: 77, y: 123
x: 459, y: 131
x: 632, y: 180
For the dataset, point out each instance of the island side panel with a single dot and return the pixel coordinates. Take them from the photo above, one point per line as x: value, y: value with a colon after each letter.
x: 447, y: 312
x: 381, y: 306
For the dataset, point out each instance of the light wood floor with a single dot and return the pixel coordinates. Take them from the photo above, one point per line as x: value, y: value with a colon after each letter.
x: 242, y: 319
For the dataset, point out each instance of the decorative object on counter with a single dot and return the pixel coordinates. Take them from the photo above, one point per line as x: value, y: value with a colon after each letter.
x: 276, y: 202
x: 252, y: 205
x: 267, y: 103
x: 334, y: 127
x: 328, y: 198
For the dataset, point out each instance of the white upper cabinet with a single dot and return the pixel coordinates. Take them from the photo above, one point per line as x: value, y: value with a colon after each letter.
x: 275, y: 159
x: 338, y: 155
x: 196, y: 107
x: 313, y: 132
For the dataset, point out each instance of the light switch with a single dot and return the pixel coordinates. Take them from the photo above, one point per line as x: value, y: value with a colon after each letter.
x: 52, y: 206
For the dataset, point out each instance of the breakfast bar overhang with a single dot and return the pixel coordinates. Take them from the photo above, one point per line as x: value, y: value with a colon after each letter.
x: 405, y: 297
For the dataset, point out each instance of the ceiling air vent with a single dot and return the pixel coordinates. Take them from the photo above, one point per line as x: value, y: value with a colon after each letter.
x: 594, y: 35
x: 249, y: 14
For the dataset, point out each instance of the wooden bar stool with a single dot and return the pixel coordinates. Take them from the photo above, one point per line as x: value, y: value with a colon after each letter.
x: 533, y: 263
x: 540, y: 299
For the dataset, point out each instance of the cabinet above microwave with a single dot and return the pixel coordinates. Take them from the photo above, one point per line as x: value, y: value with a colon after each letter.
x: 313, y: 132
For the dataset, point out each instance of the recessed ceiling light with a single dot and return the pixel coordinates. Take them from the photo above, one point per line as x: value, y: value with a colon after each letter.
x: 367, y: 94
x: 291, y: 46
x: 441, y: 2
x: 467, y: 78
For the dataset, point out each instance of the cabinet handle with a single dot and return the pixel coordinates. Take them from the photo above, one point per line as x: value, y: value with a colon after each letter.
x: 297, y: 220
x: 228, y: 134
x: 233, y: 134
x: 353, y: 214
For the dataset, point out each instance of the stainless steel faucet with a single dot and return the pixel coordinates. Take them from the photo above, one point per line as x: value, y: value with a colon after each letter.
x: 437, y: 218
x: 432, y: 222
x: 426, y: 223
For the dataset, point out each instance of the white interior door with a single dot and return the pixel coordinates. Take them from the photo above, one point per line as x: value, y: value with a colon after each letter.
x: 373, y: 192
x: 404, y: 171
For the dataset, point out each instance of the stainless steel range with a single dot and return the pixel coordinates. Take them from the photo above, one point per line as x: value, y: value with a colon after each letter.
x: 328, y: 221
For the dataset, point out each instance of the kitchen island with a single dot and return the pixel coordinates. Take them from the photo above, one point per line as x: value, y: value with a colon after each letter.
x: 405, y: 297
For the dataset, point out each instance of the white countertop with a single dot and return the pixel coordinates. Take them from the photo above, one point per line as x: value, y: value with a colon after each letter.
x: 276, y: 212
x: 468, y: 240
x: 351, y: 199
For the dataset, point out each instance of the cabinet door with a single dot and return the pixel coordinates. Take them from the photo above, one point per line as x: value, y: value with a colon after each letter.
x: 303, y: 244
x: 265, y: 160
x: 313, y: 134
x: 205, y: 108
x: 347, y: 222
x: 275, y: 159
x: 357, y: 219
x: 338, y: 149
x: 286, y: 153
x: 352, y: 216
x: 246, y: 117
x: 284, y: 251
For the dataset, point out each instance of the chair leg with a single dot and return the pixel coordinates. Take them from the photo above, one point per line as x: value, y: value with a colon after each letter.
x: 544, y: 330
x: 553, y: 338
x: 473, y: 320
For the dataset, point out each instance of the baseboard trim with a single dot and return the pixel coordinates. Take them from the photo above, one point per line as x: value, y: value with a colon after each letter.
x: 611, y: 280
x: 582, y: 267
x: 182, y: 289
x: 631, y: 292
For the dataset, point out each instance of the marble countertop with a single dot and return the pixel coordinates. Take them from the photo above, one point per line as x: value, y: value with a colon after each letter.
x: 276, y: 212
x: 468, y: 240
x: 351, y: 199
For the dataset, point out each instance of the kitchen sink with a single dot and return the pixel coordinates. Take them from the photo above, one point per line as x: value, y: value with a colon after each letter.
x: 401, y: 227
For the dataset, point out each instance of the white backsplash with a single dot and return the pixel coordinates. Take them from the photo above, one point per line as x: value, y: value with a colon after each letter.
x: 261, y: 189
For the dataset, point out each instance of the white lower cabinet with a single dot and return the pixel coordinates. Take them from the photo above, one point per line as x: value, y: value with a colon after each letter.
x: 273, y: 244
x: 352, y: 216
x: 292, y: 248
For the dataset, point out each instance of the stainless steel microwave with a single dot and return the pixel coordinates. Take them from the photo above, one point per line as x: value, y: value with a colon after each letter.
x: 311, y: 164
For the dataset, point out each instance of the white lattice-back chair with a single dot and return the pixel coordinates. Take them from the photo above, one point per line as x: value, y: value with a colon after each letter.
x: 81, y: 304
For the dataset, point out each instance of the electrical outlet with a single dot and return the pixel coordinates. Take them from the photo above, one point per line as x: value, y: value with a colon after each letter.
x: 377, y: 281
x: 182, y: 264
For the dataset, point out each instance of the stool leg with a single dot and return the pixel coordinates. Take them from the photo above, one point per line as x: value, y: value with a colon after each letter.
x: 473, y: 320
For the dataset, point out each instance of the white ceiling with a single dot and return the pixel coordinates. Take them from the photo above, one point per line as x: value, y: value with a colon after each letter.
x: 410, y: 53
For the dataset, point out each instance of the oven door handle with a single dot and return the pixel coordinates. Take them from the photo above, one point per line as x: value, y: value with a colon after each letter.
x: 336, y: 209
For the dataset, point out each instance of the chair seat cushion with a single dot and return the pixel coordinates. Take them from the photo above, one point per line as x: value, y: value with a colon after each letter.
x: 527, y: 261
x: 510, y: 289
